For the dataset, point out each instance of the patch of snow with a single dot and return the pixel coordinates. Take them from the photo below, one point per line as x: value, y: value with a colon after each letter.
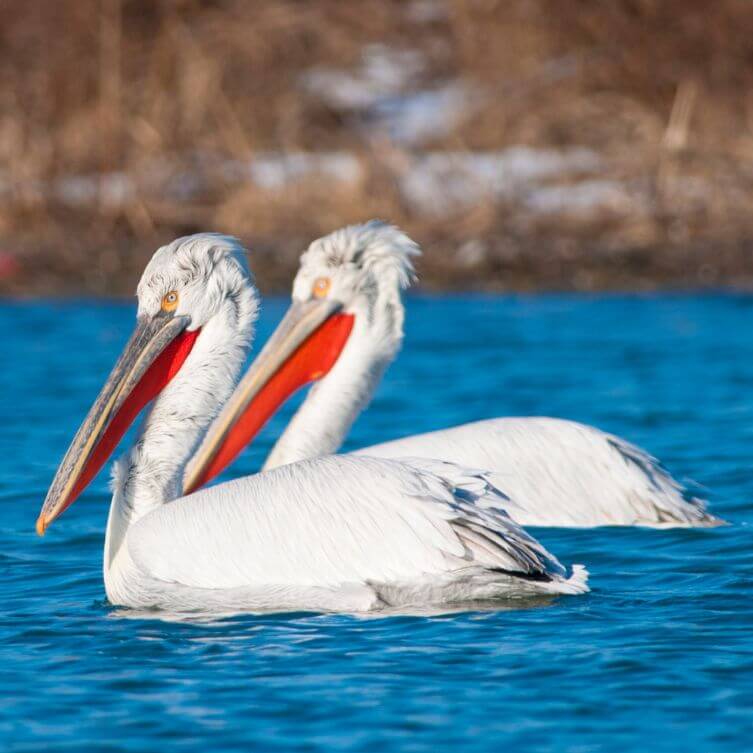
x: 271, y: 171
x: 584, y: 198
x: 426, y: 11
x: 275, y: 171
x: 471, y: 253
x: 421, y: 115
x: 383, y: 72
x: 111, y: 189
x: 445, y: 181
x: 433, y: 183
x: 383, y: 90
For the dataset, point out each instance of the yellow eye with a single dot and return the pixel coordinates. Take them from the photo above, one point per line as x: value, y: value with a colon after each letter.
x: 321, y: 287
x: 170, y: 301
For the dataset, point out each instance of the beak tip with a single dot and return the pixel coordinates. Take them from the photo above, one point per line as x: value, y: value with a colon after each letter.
x: 41, y: 525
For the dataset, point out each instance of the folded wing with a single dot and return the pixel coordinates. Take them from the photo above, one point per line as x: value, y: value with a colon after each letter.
x: 338, y: 520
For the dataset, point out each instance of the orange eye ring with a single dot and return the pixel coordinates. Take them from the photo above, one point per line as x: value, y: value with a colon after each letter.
x: 170, y: 301
x: 321, y: 287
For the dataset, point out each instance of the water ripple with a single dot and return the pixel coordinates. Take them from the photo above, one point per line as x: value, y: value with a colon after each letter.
x: 658, y: 657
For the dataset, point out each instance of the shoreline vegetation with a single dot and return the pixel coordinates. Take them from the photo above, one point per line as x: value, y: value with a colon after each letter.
x: 525, y: 146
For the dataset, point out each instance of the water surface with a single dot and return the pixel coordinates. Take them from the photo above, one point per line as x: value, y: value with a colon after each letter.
x: 658, y: 657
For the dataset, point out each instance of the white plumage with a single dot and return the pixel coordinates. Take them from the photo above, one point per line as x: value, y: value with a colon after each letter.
x: 339, y: 533
x: 336, y: 533
x: 557, y: 472
x: 561, y: 473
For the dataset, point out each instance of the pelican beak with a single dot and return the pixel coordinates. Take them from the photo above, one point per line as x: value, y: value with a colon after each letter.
x: 153, y: 355
x: 303, y: 348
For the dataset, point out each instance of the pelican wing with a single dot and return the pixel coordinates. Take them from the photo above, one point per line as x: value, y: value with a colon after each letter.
x: 561, y: 473
x: 337, y: 520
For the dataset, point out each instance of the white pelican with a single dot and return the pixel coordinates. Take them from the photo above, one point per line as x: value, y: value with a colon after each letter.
x: 344, y: 327
x: 338, y: 533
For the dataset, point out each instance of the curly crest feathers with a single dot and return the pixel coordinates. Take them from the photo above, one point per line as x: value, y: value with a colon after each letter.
x: 375, y: 246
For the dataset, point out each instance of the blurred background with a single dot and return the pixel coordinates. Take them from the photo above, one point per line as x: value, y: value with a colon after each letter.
x: 525, y: 144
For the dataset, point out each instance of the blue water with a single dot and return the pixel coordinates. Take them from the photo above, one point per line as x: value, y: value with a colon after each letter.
x: 658, y: 657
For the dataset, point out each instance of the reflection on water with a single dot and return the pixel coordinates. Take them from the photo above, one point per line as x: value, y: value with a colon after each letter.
x: 219, y: 617
x: 658, y: 656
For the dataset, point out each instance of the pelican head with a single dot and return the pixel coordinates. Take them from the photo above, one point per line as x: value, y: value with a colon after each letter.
x: 343, y: 328
x: 196, y: 302
x: 360, y: 269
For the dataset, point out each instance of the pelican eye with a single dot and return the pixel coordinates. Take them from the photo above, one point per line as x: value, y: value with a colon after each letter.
x: 321, y: 287
x: 170, y: 301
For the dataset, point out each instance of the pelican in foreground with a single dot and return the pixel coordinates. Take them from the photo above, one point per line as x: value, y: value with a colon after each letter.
x: 337, y: 533
x: 342, y: 330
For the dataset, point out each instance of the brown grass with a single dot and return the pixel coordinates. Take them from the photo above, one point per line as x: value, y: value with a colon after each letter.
x: 662, y: 90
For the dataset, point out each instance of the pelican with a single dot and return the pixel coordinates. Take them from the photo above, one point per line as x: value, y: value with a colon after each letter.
x: 337, y: 533
x: 344, y: 327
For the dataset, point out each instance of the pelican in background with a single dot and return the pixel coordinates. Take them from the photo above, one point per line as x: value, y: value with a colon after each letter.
x: 336, y: 533
x: 344, y: 327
